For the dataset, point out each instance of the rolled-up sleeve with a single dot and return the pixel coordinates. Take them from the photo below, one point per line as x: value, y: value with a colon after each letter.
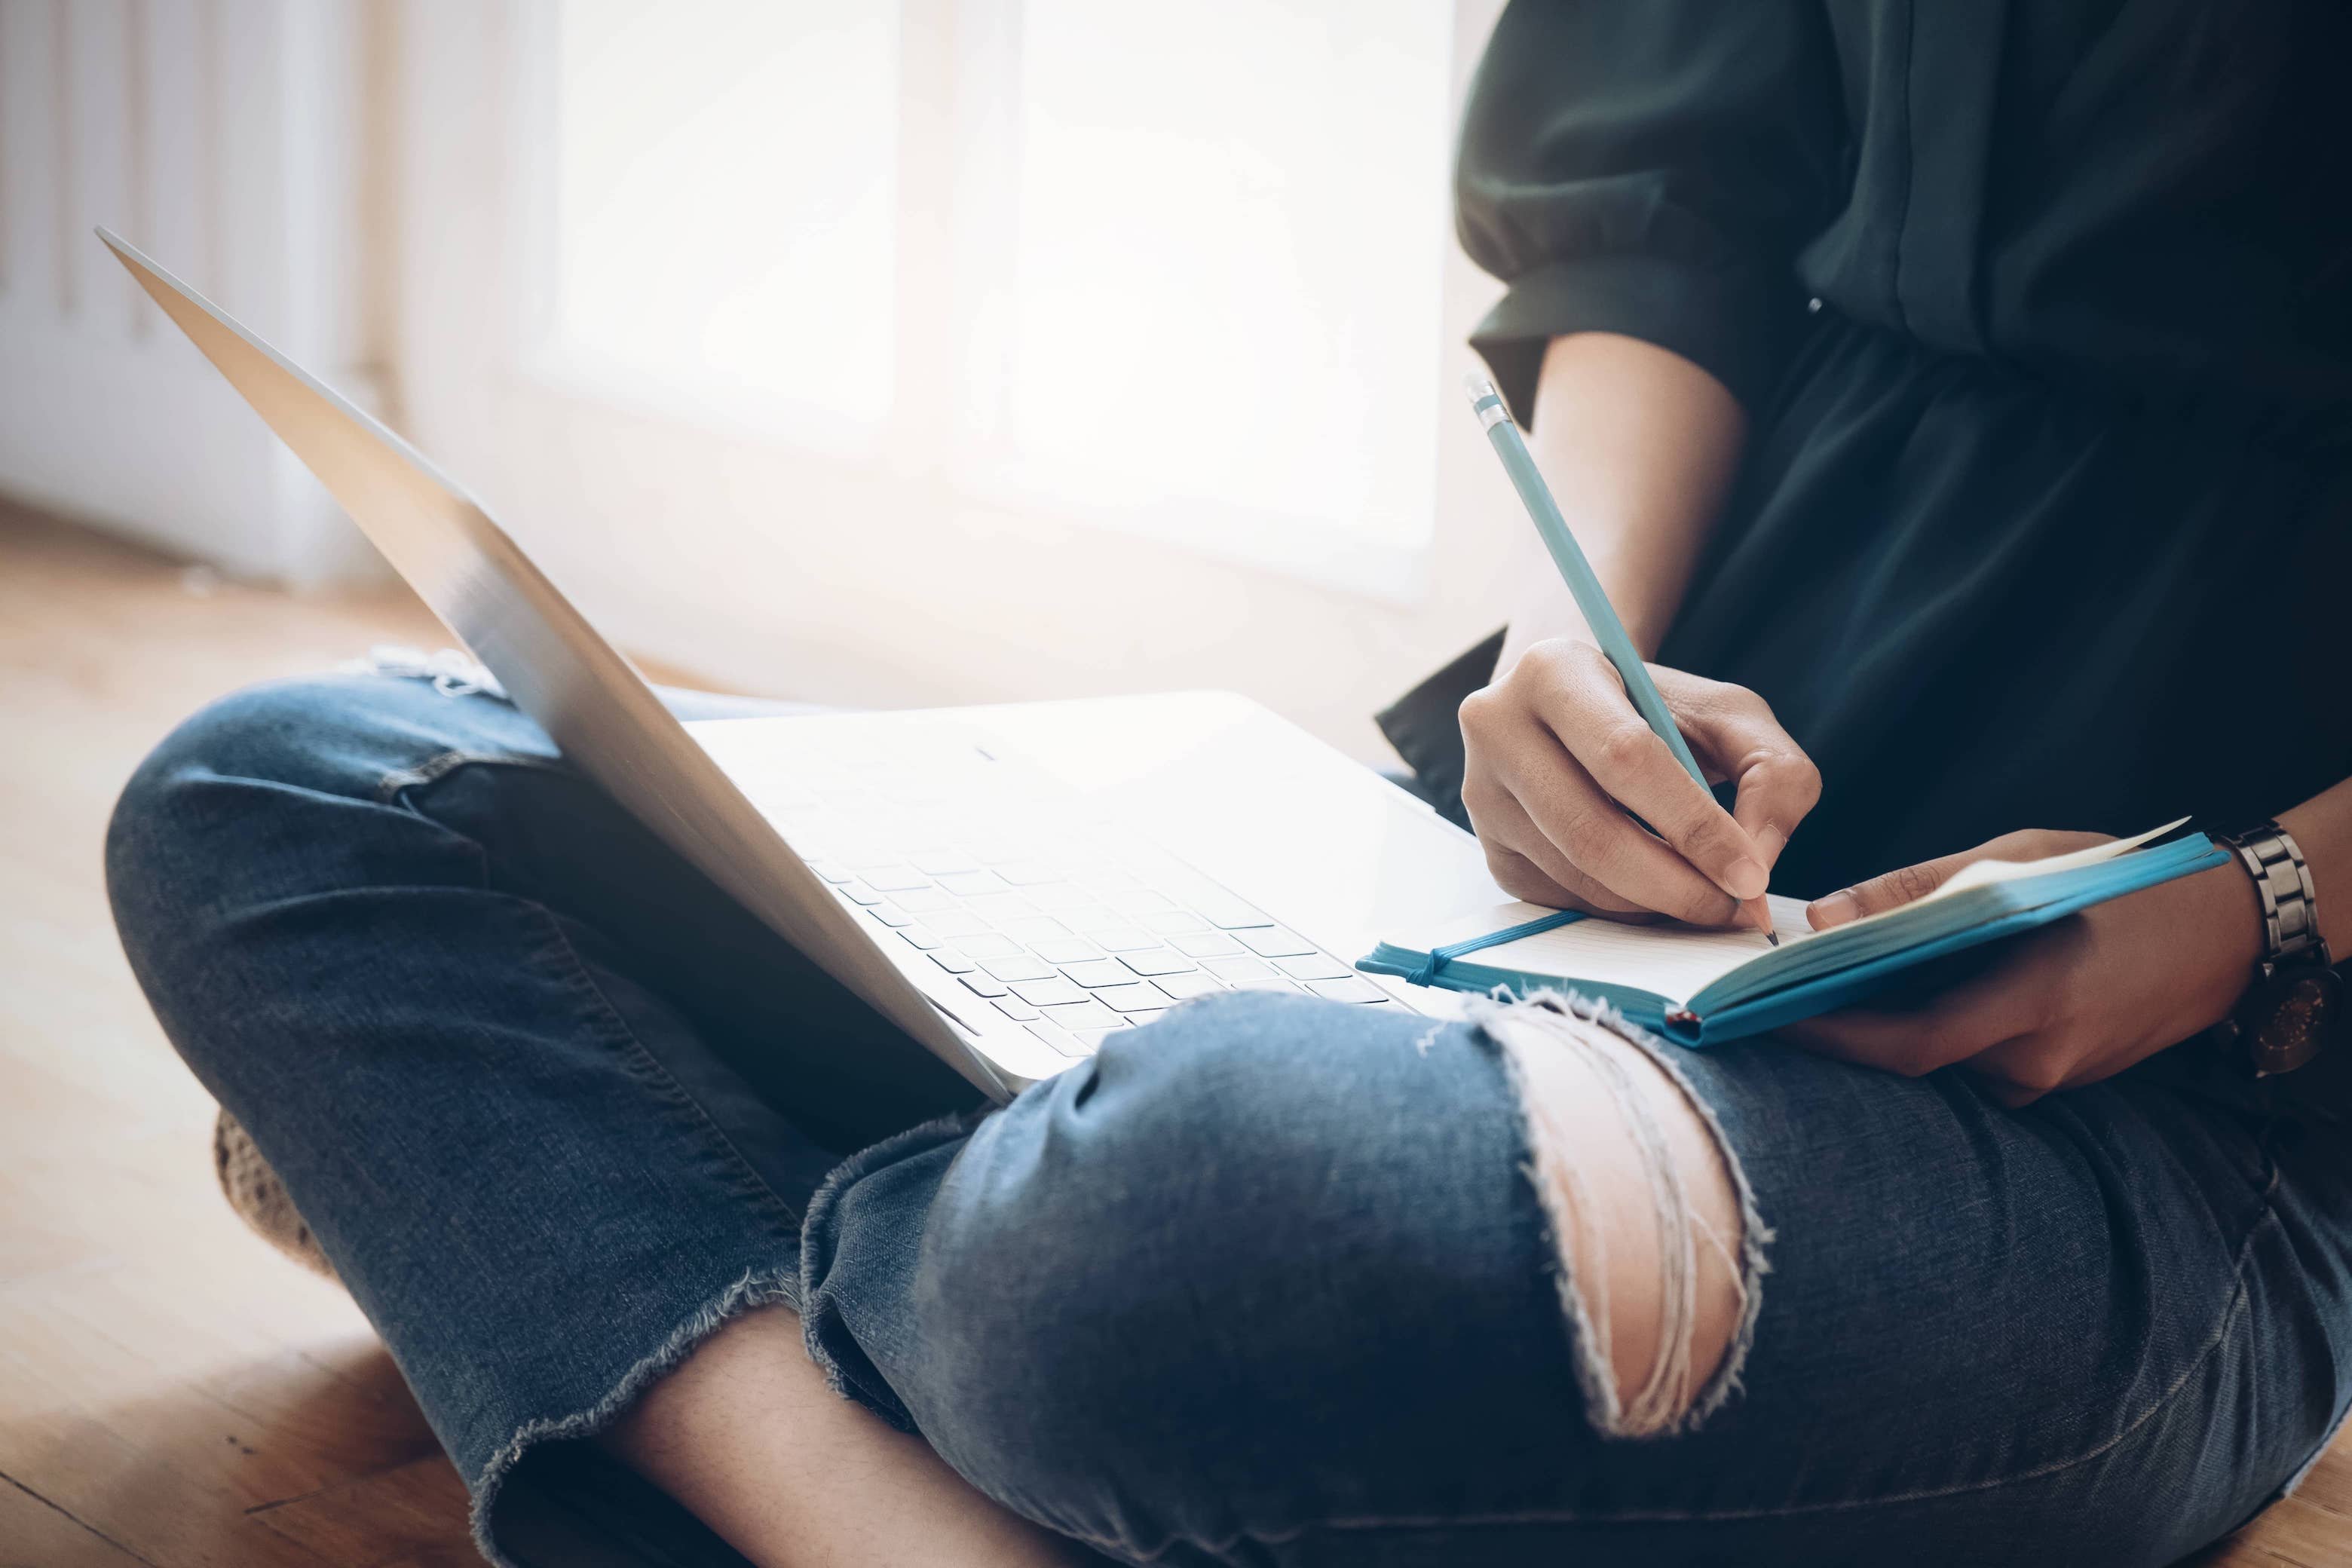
x: 1649, y: 167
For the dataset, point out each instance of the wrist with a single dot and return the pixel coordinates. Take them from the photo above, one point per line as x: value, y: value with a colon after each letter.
x: 2231, y: 926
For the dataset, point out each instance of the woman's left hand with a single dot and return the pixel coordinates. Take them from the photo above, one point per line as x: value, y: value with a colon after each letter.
x: 2072, y: 1002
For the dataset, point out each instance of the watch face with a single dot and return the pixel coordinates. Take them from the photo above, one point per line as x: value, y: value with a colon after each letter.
x: 2291, y: 1018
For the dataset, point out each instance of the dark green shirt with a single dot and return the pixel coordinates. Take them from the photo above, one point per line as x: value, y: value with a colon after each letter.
x: 2041, y: 313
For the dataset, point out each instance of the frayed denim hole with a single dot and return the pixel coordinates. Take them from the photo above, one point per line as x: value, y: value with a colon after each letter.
x: 1664, y: 1405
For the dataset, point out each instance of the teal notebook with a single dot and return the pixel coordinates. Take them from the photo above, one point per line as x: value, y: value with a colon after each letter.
x: 1703, y: 987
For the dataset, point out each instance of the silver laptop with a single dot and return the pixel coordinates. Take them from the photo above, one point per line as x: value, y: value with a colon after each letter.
x: 1009, y: 885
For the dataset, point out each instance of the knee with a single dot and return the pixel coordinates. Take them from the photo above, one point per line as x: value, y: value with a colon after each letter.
x: 1215, y: 1218
x: 1263, y: 1199
x: 155, y: 840
x: 233, y: 804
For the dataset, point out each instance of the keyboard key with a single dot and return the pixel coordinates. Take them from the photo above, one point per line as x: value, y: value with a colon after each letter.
x: 1273, y: 942
x: 955, y: 923
x: 964, y: 884
x: 1143, y: 1016
x: 1204, y: 944
x: 1222, y: 909
x: 1014, y: 1008
x: 1054, y: 993
x: 1237, y: 969
x: 1029, y: 873
x: 833, y: 873
x: 922, y: 936
x: 1019, y: 966
x: 891, y: 915
x: 1157, y: 961
x: 923, y: 900
x: 943, y: 863
x: 1093, y: 1038
x: 1350, y: 990
x: 1091, y: 973
x: 1131, y: 901
x: 859, y: 893
x: 951, y: 961
x: 1315, y: 966
x: 1061, y: 949
x: 1000, y: 907
x: 895, y: 878
x: 988, y: 944
x: 982, y: 985
x: 1059, y: 896
x: 1031, y: 930
x: 1136, y: 999
x: 1060, y: 1039
x: 1172, y: 922
x: 1182, y: 986
x: 1270, y: 983
x: 1085, y: 1015
x: 1122, y: 939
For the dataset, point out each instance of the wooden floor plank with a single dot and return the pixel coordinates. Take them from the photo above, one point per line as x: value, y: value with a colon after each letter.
x: 37, y: 1534
x: 395, y: 1519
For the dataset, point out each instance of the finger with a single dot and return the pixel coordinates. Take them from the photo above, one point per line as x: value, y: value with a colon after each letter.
x: 1888, y: 890
x: 1911, y: 883
x: 2010, y: 1095
x: 1953, y: 1027
x: 1591, y: 832
x: 1735, y: 734
x: 1529, y: 866
x: 1603, y: 731
x: 2019, y: 1071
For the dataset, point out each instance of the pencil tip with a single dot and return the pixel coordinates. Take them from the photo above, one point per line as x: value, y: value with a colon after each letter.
x: 1773, y: 937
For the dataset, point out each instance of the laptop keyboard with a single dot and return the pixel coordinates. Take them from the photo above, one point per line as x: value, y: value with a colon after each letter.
x: 1064, y: 923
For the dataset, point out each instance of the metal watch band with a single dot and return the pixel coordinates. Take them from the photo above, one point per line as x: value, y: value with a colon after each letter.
x: 2283, y: 883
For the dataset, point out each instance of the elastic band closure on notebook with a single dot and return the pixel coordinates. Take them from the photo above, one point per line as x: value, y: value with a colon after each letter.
x: 1439, y: 957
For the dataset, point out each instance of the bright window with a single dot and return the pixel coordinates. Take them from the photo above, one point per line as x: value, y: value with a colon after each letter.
x: 725, y: 202
x: 1229, y: 239
x: 1187, y: 271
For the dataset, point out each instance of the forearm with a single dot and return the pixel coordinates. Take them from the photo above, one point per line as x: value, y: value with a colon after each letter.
x: 1640, y: 446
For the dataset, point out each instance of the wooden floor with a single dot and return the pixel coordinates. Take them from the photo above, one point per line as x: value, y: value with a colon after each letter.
x: 172, y: 1393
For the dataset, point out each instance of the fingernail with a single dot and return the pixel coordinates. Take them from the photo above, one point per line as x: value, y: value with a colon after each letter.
x: 1747, y: 879
x: 1771, y: 841
x: 1834, y: 911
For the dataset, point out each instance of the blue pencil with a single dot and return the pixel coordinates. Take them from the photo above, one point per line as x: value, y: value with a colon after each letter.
x: 1607, y: 629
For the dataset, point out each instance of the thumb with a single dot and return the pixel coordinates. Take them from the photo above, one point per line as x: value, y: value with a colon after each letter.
x: 1888, y: 890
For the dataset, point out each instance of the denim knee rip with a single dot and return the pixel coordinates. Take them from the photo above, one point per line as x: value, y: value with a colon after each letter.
x: 1568, y: 1057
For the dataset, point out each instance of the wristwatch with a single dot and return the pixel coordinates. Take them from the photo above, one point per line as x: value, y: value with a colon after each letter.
x: 2296, y: 1003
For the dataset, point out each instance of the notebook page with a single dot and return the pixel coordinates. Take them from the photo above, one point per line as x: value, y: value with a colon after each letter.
x: 1859, y: 941
x: 1674, y: 961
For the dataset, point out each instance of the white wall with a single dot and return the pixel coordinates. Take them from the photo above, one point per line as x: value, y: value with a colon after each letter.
x: 223, y: 137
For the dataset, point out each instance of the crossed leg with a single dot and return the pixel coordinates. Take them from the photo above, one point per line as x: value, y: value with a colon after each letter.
x: 1268, y: 1281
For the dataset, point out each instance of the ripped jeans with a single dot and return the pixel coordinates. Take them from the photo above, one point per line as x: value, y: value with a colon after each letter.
x: 1269, y: 1282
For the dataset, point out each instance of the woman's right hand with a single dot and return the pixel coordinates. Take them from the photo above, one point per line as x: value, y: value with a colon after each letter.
x: 1558, y: 765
